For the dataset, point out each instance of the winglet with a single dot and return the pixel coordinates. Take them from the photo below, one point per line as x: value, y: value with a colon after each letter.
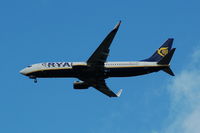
x: 119, y: 93
x: 117, y: 26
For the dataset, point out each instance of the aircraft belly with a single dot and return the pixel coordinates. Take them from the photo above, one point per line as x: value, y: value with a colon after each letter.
x: 54, y: 73
x: 134, y: 71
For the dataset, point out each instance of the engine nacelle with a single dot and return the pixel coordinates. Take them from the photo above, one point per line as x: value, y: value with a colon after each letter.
x: 81, y: 85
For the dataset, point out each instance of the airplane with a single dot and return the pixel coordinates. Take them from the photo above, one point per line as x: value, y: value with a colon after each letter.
x: 97, y: 69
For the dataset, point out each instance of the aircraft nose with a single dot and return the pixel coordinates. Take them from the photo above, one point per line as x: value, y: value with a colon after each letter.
x: 22, y: 72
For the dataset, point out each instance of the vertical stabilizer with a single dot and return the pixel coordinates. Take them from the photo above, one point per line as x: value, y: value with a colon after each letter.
x: 166, y: 59
x: 162, y: 51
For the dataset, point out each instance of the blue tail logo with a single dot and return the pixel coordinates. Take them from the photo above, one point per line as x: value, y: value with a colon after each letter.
x: 163, y: 51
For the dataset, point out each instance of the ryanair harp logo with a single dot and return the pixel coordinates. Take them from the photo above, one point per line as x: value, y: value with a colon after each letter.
x: 163, y: 51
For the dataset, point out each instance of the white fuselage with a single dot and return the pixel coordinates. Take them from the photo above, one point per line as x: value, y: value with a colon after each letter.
x: 52, y: 67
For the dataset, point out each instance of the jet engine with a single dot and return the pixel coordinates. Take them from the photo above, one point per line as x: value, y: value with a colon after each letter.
x: 81, y: 85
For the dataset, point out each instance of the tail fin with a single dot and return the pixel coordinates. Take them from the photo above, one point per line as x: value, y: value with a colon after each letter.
x: 166, y: 60
x: 162, y: 51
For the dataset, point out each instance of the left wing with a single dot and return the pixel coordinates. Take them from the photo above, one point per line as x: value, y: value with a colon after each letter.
x: 102, y: 87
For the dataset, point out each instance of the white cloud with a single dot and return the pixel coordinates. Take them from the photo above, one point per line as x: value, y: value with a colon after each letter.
x: 184, y: 114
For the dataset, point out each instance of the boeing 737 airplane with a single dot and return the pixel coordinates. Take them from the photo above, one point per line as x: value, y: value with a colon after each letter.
x: 96, y: 69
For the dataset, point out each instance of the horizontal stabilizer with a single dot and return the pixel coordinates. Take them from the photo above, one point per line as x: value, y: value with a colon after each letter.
x: 166, y: 59
x: 169, y: 71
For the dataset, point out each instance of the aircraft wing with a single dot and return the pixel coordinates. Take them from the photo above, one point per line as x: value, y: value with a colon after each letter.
x: 100, y: 55
x: 102, y: 87
x: 96, y: 63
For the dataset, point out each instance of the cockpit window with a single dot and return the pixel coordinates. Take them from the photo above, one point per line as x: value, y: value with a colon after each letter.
x: 44, y: 64
x: 29, y: 66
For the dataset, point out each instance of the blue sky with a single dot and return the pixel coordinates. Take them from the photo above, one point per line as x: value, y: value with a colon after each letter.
x: 66, y: 30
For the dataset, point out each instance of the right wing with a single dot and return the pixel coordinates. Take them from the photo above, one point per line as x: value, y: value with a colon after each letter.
x: 99, y: 57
